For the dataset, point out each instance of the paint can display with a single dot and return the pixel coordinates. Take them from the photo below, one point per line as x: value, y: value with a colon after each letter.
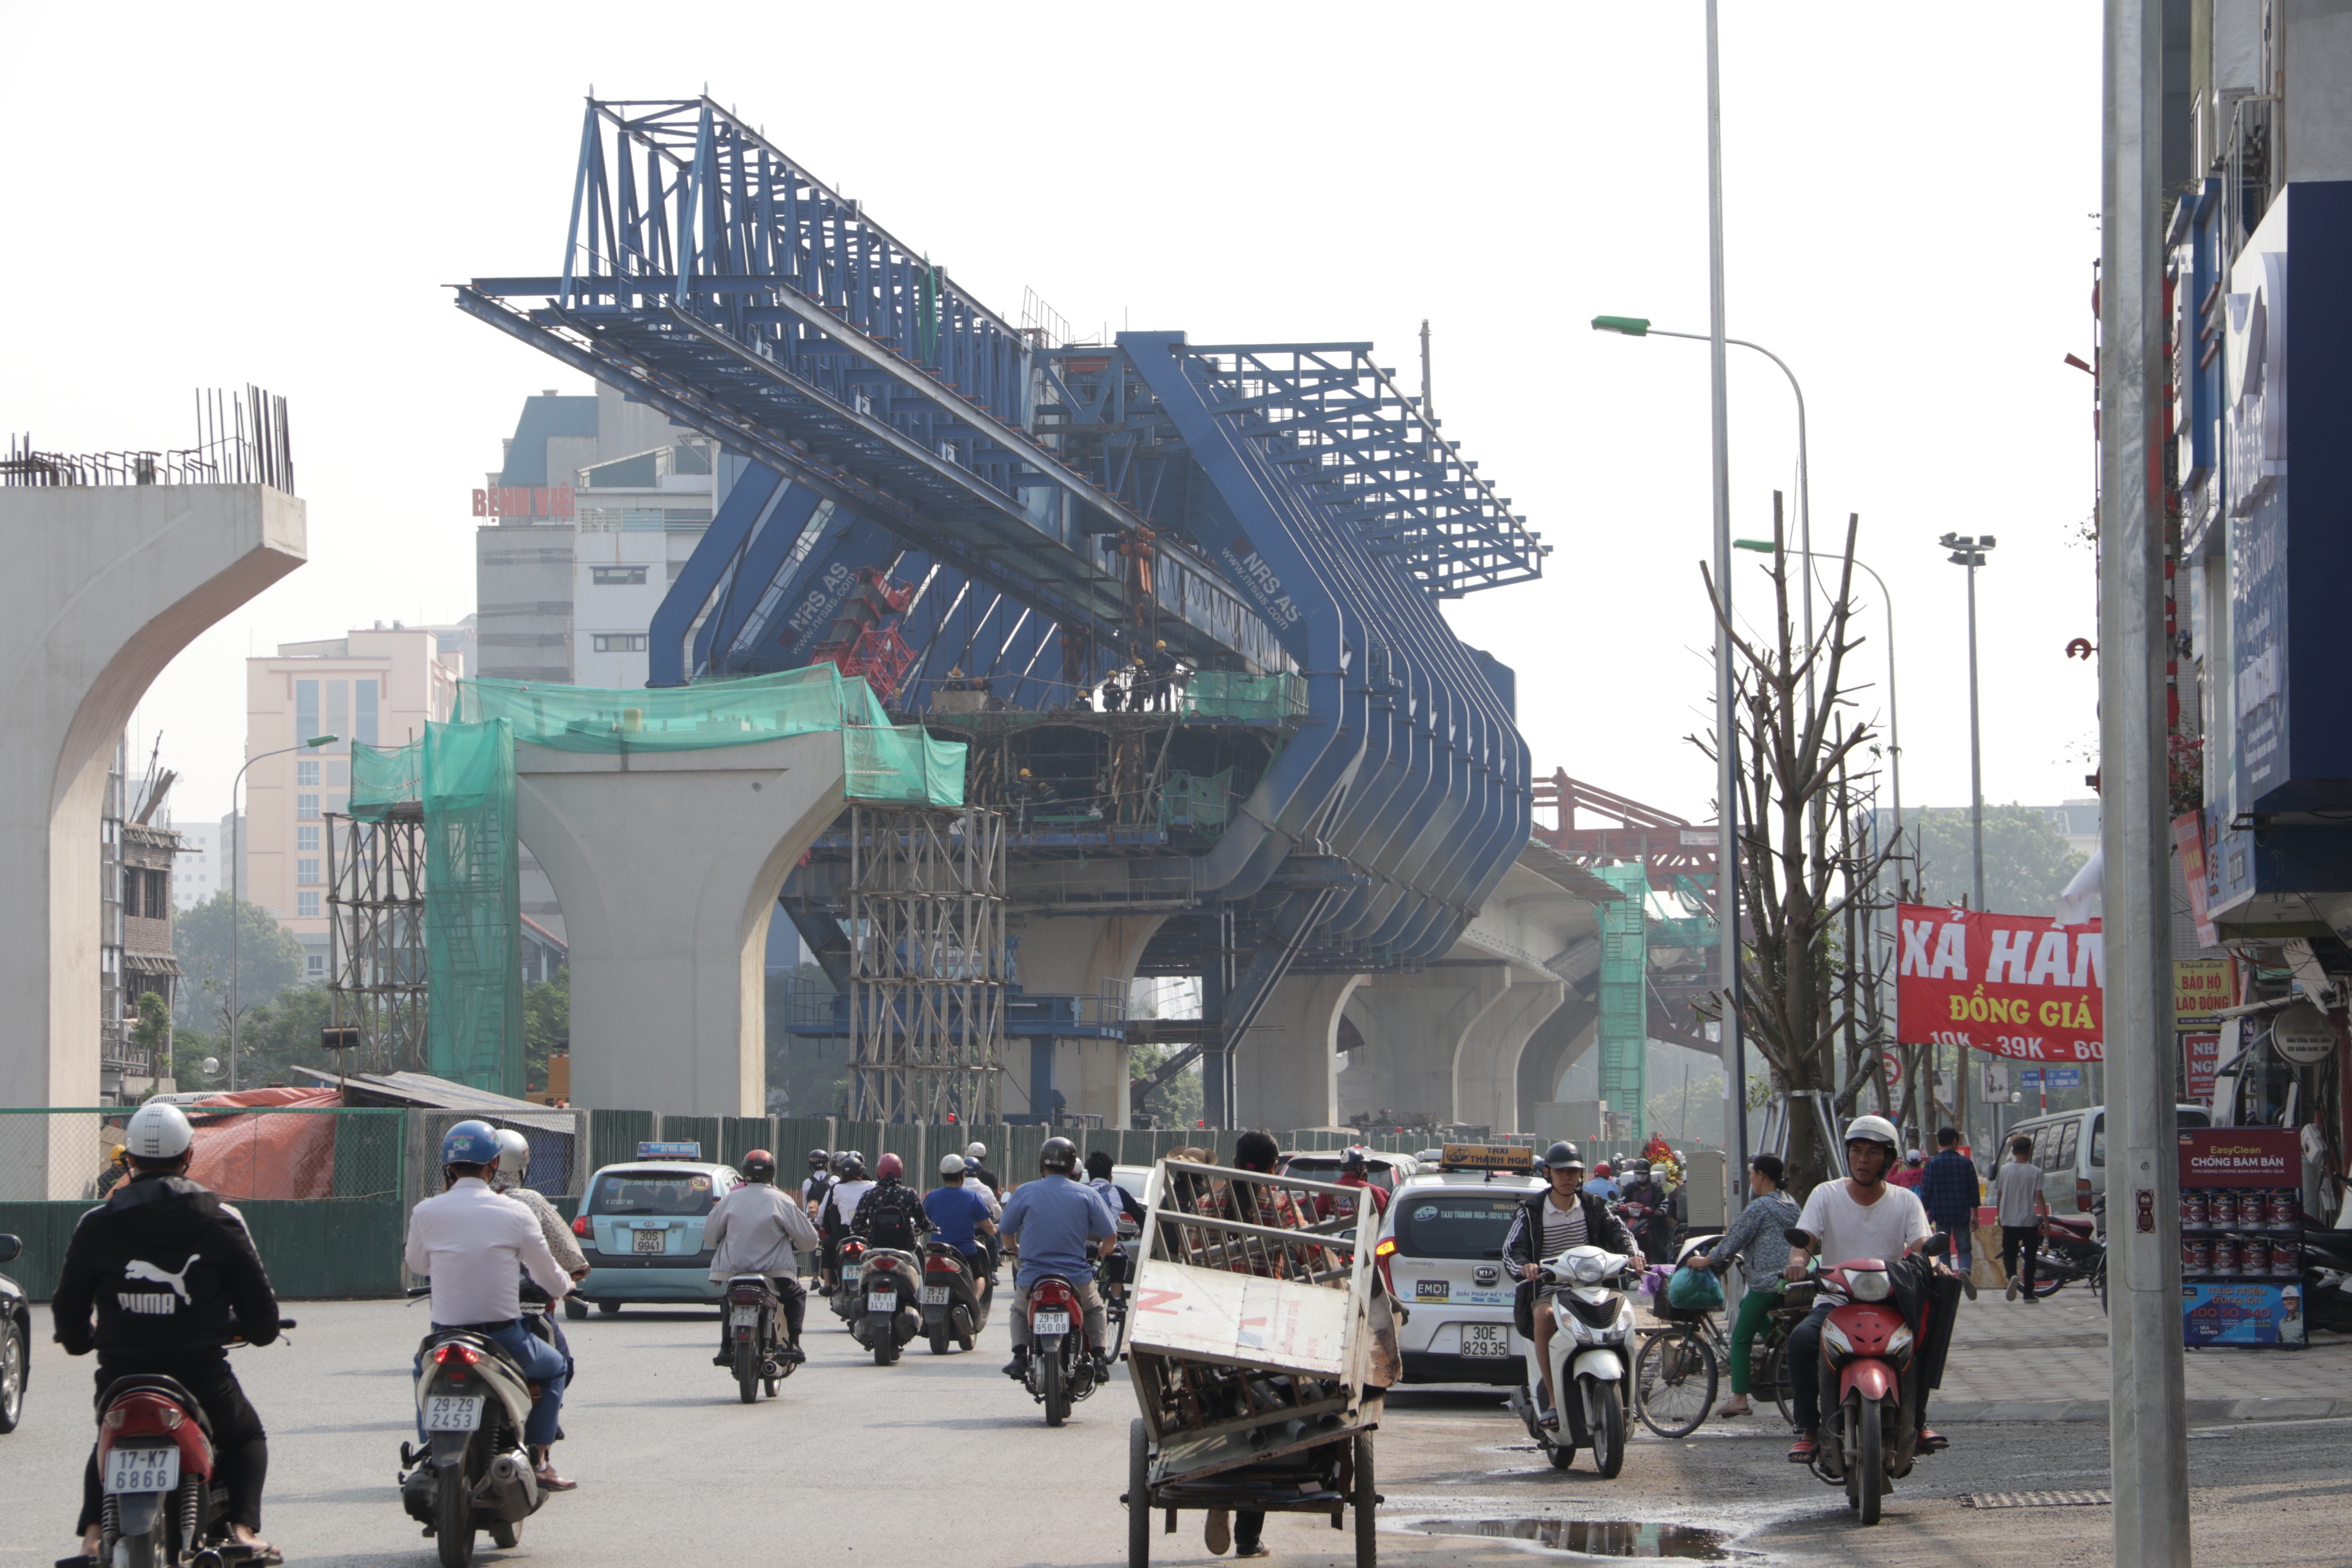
x: 2286, y: 1209
x: 2254, y: 1256
x: 2222, y: 1210
x: 2196, y: 1256
x: 2286, y: 1259
x: 2196, y: 1208
x: 2225, y: 1256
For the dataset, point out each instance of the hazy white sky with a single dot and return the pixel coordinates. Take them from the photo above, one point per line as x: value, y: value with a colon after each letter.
x: 211, y: 195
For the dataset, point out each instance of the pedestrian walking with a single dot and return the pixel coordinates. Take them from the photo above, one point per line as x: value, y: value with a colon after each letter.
x: 2017, y: 1190
x: 1758, y: 1239
x: 1948, y: 1186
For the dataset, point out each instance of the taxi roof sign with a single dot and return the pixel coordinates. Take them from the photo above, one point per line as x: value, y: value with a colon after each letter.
x: 1512, y: 1157
x: 682, y: 1151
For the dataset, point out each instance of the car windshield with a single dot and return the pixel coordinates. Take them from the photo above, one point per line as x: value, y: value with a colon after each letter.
x: 653, y: 1193
x: 1326, y: 1168
x: 1453, y: 1224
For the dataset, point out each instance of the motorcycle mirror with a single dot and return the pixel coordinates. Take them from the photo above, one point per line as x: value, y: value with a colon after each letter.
x: 1939, y: 1246
x: 1797, y: 1237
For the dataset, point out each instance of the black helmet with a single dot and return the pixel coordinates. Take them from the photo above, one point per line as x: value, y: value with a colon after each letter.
x: 853, y: 1164
x: 1356, y: 1158
x: 1058, y: 1154
x: 759, y: 1166
x: 1562, y: 1155
x: 819, y: 1159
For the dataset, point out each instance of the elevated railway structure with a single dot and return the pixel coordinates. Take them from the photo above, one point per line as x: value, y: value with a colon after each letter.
x: 1182, y: 599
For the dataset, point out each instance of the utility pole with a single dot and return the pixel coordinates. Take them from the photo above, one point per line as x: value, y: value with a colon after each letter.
x: 1726, y: 721
x: 1428, y: 408
x: 2147, y: 1433
x: 1970, y: 552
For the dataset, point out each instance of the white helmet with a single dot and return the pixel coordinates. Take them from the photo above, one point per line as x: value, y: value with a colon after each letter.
x: 514, y: 1154
x: 976, y: 1152
x: 1873, y: 1129
x: 158, y: 1132
x: 952, y: 1166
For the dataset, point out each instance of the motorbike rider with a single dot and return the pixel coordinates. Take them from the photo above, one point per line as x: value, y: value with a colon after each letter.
x: 1859, y: 1216
x: 813, y: 1188
x: 514, y: 1161
x: 475, y: 1246
x: 1355, y: 1171
x: 172, y: 1274
x: 891, y: 1213
x: 1058, y: 1226
x: 1099, y: 1165
x: 1758, y: 1239
x: 1655, y: 1229
x: 1546, y: 1226
x: 1603, y: 1185
x: 840, y: 1204
x: 963, y: 1217
x: 758, y: 1229
x: 975, y: 1168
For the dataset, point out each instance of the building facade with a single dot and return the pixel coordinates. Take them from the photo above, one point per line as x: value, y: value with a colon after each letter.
x: 379, y: 686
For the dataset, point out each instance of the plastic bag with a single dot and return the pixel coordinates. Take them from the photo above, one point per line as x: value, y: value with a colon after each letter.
x: 1695, y: 1291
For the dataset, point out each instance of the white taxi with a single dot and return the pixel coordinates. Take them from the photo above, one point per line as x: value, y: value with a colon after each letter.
x: 1441, y: 1252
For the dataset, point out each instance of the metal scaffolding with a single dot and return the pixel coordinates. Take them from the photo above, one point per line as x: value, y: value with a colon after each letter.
x: 375, y: 898
x: 927, y: 977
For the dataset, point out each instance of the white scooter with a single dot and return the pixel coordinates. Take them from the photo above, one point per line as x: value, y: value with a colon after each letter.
x: 1592, y: 1359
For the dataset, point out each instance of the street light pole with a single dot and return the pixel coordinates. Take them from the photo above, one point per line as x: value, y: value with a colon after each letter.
x: 1970, y: 552
x: 237, y: 879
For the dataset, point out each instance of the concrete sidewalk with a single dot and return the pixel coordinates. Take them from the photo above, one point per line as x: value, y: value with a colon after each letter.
x: 2012, y: 1361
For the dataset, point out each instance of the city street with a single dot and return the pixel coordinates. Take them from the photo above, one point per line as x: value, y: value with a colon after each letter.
x: 928, y: 1456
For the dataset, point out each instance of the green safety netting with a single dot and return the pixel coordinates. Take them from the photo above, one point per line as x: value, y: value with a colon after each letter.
x: 1204, y: 800
x: 473, y: 911
x: 384, y: 779
x: 1249, y: 698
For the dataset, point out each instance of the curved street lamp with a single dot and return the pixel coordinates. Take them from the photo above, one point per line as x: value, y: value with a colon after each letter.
x: 236, y: 880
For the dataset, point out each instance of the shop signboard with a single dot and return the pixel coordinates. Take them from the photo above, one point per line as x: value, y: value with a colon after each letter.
x: 2241, y: 1314
x: 2202, y: 1053
x: 2200, y: 989
x: 2268, y: 1157
x: 2020, y: 986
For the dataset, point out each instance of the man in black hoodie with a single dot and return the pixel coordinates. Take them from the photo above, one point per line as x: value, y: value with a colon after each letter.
x: 172, y: 1276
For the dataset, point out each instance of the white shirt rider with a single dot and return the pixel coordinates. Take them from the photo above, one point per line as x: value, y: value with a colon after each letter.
x: 475, y: 1246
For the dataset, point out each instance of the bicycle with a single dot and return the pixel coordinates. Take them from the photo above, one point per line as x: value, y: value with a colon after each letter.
x: 1687, y: 1358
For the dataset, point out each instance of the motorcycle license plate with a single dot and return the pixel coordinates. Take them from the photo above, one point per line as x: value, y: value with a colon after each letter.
x: 935, y: 1295
x: 1050, y: 1324
x: 1492, y: 1340
x: 141, y: 1469
x: 881, y: 1302
x: 850, y: 1272
x: 743, y: 1317
x: 649, y: 1240
x: 453, y: 1412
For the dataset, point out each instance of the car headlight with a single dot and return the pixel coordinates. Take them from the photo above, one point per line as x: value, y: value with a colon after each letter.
x: 1836, y: 1348
x: 1899, y: 1346
x: 1868, y: 1285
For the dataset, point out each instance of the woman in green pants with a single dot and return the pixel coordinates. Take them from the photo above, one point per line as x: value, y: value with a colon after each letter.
x: 1756, y: 1239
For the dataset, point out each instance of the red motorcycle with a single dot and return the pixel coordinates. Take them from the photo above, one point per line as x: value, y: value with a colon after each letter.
x: 1870, y: 1427
x: 155, y: 1473
x: 1061, y: 1372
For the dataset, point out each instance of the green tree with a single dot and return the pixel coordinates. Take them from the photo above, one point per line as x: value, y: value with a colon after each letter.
x: 2027, y: 864
x: 546, y: 1026
x: 272, y: 1039
x: 269, y: 959
x: 154, y: 1029
x: 1176, y: 1103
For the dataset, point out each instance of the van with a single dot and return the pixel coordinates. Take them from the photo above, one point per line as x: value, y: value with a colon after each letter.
x: 2071, y: 1147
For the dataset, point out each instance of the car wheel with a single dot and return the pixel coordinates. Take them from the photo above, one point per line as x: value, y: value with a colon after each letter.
x: 610, y: 1308
x: 12, y: 1374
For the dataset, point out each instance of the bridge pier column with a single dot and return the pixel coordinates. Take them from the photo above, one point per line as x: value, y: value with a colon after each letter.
x: 1078, y: 955
x: 1424, y: 1019
x: 1487, y: 1066
x: 1288, y: 1064
x: 105, y: 584
x: 668, y: 865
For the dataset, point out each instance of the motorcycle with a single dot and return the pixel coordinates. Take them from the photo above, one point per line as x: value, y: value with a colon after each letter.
x: 754, y: 1335
x: 1870, y: 1432
x: 890, y: 1320
x: 954, y: 1306
x: 848, y: 1300
x: 159, y: 1504
x: 2327, y: 1279
x: 1592, y: 1360
x: 1652, y: 1226
x: 1061, y: 1372
x: 473, y: 1471
x: 2070, y: 1249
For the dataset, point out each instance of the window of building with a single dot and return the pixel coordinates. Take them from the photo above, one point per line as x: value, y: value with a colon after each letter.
x: 618, y: 576
x: 339, y: 709
x: 618, y: 642
x: 314, y: 964
x: 364, y: 695
x: 306, y: 837
x: 306, y: 905
x: 306, y: 775
x: 306, y: 805
x: 306, y: 710
x: 306, y: 870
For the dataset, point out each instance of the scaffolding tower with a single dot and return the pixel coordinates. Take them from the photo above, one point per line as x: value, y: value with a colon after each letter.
x: 375, y: 898
x: 927, y: 976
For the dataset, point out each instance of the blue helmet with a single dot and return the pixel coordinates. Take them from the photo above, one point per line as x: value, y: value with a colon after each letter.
x: 470, y: 1143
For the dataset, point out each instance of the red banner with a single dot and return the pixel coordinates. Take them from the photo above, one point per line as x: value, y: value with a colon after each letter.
x: 2021, y: 986
x: 2240, y: 1157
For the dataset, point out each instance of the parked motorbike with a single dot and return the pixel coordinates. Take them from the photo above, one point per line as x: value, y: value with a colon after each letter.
x: 2327, y: 1279
x: 1061, y: 1372
x: 159, y: 1504
x: 2070, y: 1249
x: 890, y: 1318
x: 755, y: 1335
x: 1870, y: 1432
x: 954, y: 1305
x: 848, y: 1301
x: 1592, y: 1359
x: 473, y: 1472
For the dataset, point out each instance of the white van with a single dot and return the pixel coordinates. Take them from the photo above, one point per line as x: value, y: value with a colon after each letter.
x: 2071, y: 1147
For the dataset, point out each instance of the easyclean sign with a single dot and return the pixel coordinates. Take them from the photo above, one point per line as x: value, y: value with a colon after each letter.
x: 2021, y: 986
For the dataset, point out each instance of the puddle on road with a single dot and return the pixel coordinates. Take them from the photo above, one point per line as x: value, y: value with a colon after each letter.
x: 1594, y: 1537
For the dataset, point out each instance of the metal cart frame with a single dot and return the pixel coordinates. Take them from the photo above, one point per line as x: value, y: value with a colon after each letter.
x: 1249, y: 1347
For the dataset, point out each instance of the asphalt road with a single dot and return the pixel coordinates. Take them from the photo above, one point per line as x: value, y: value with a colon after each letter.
x: 943, y: 1457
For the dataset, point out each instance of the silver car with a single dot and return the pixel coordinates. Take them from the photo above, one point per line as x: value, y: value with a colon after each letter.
x: 1441, y: 1251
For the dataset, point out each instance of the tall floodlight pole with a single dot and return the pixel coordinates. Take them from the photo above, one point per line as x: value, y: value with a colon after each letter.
x: 2148, y: 1451
x: 1727, y: 725
x: 1968, y: 552
x: 236, y: 880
